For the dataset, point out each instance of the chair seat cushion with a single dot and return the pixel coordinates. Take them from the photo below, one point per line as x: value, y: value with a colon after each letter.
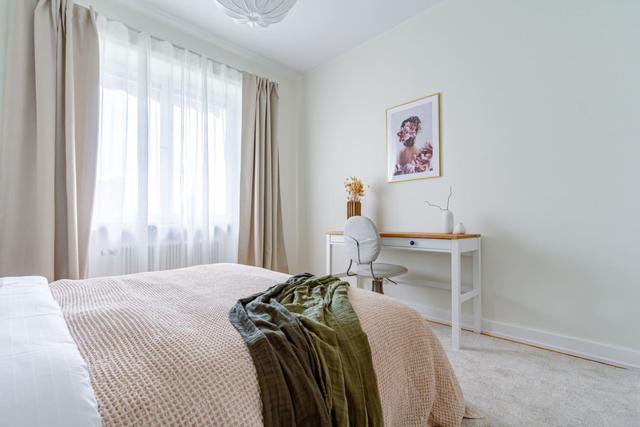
x: 380, y: 270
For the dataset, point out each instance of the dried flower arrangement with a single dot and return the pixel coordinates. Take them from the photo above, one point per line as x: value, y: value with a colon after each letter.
x: 355, y: 188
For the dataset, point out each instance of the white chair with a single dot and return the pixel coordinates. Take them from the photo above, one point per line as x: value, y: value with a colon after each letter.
x: 363, y: 244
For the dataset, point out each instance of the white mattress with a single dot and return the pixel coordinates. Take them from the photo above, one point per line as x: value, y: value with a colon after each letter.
x: 43, y: 379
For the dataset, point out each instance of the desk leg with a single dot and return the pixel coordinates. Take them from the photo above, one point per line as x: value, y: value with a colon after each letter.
x: 455, y: 294
x: 477, y: 285
x: 328, y: 254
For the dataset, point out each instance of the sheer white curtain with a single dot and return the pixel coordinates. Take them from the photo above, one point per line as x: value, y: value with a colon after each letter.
x: 169, y: 157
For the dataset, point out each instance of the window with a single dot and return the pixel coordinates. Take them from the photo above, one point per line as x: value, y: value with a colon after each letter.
x: 169, y: 157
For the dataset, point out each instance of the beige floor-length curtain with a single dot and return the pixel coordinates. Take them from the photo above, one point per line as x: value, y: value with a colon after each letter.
x: 261, y: 238
x: 49, y: 138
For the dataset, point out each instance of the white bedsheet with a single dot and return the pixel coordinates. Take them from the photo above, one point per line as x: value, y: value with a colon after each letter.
x: 43, y: 379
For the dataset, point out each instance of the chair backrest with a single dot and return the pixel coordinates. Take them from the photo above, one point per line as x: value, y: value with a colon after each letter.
x: 362, y: 240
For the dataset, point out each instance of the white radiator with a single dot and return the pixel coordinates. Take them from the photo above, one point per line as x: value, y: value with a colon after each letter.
x: 174, y: 251
x: 164, y: 256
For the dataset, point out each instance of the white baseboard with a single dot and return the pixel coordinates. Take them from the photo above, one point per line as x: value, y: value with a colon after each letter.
x: 613, y: 355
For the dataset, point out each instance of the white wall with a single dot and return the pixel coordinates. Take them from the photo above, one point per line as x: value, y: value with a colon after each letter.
x: 540, y: 141
x: 185, y: 35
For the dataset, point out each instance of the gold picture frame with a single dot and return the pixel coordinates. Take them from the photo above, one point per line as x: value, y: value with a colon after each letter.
x: 412, y: 138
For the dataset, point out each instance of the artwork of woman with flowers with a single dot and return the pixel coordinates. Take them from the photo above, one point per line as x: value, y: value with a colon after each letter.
x: 413, y: 140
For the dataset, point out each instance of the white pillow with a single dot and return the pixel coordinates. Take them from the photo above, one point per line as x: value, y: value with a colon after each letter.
x: 43, y: 379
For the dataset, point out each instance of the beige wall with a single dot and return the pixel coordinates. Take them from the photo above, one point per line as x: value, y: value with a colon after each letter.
x: 540, y: 141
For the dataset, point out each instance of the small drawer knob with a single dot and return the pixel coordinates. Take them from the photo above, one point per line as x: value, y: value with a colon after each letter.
x: 411, y: 242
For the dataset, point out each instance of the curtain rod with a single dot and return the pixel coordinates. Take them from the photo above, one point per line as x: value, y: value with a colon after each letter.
x: 176, y: 45
x: 108, y: 18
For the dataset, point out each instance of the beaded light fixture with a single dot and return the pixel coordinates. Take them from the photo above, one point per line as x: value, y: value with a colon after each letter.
x: 256, y: 12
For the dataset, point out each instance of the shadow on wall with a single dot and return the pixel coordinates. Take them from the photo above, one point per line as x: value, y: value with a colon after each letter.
x: 513, y: 273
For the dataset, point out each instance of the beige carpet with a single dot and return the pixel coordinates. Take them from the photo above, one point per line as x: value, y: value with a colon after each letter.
x: 519, y: 385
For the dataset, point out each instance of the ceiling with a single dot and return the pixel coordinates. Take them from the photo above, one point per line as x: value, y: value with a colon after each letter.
x: 314, y: 31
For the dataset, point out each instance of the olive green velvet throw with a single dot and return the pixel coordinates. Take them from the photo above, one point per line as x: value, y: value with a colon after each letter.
x: 312, y: 358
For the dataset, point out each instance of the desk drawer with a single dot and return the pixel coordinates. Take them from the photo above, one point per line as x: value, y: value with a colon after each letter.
x: 417, y: 244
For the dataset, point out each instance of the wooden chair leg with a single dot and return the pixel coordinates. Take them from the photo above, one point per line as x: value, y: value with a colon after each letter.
x: 376, y: 286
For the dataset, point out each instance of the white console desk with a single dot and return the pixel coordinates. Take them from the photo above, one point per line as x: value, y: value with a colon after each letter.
x: 455, y: 244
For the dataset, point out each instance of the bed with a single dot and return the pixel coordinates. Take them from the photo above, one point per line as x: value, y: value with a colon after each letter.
x: 160, y: 350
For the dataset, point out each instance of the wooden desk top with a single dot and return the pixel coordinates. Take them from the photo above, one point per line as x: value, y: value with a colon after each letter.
x: 417, y: 235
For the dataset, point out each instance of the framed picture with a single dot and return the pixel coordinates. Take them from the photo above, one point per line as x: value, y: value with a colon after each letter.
x: 413, y: 140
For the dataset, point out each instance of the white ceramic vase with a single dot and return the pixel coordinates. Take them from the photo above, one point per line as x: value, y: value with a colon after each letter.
x: 447, y: 222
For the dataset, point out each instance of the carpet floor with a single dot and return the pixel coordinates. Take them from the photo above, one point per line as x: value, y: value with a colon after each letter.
x: 519, y: 385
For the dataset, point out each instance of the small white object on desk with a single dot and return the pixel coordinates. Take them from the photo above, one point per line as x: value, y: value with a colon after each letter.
x: 459, y: 229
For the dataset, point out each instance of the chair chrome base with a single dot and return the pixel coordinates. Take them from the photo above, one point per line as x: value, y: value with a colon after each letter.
x: 376, y: 286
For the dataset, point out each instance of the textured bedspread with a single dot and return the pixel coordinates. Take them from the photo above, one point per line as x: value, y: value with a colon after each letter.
x: 161, y: 350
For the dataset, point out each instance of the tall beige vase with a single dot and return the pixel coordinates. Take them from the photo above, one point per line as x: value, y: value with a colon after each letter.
x: 353, y: 208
